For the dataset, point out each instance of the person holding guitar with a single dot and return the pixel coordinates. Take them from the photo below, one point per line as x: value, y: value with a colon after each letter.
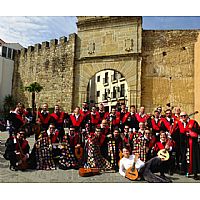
x: 17, y: 151
x: 128, y: 161
x: 132, y: 167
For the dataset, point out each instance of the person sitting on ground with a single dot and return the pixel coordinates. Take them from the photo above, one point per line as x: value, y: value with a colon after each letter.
x: 145, y: 170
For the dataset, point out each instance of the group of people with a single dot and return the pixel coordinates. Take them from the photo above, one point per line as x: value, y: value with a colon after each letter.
x: 108, y: 141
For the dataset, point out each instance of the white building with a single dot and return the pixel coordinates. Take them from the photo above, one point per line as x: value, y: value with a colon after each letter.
x: 7, y: 51
x: 108, y: 87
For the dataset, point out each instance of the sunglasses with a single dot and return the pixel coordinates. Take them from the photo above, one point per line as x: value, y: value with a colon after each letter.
x: 168, y: 113
x: 183, y: 115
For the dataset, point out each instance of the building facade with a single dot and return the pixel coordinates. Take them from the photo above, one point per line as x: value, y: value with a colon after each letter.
x: 7, y: 51
x: 108, y: 87
x: 159, y: 67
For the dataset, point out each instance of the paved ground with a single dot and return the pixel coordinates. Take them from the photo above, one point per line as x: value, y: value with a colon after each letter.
x: 62, y: 176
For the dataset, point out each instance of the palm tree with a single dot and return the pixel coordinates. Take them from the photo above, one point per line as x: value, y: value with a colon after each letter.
x: 33, y: 88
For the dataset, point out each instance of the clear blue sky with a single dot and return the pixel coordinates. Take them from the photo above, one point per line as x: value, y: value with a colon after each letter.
x: 31, y: 30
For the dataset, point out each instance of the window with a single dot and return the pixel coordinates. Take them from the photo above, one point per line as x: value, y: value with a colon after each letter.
x: 106, y: 78
x: 114, y: 93
x: 10, y: 53
x: 4, y: 51
x: 98, y: 78
x: 98, y: 93
x: 122, y: 90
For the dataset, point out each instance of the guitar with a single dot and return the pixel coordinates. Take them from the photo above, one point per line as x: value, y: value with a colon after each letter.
x: 23, y: 164
x: 163, y: 154
x: 79, y: 149
x: 194, y: 113
x: 132, y: 173
x: 85, y: 172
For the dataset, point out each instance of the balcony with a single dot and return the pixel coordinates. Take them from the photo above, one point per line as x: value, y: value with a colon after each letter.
x: 113, y: 78
x: 105, y: 81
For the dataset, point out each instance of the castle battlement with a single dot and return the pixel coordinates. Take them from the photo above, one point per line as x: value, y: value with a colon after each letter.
x: 46, y: 45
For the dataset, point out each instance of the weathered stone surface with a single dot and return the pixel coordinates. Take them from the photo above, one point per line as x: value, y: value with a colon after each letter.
x: 159, y: 66
x: 50, y: 67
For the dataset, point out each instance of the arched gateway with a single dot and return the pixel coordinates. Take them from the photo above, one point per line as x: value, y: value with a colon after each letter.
x: 108, y: 43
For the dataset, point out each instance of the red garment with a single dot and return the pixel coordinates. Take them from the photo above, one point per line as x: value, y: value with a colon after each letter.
x: 84, y: 114
x: 125, y: 117
x: 44, y: 120
x: 76, y: 123
x: 95, y: 119
x: 23, y: 146
x: 166, y: 124
x: 141, y: 119
x: 155, y: 126
x: 59, y: 119
x: 54, y: 137
x: 116, y: 121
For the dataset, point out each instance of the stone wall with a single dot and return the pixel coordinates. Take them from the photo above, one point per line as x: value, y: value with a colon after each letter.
x: 52, y: 66
x: 168, y: 69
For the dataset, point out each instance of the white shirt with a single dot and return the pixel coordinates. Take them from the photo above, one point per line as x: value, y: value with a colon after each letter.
x: 126, y: 163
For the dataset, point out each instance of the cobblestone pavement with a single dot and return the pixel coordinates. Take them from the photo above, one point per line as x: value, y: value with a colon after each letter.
x: 62, y: 176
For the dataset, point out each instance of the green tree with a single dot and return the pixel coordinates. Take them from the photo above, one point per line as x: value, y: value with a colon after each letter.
x: 33, y: 88
x: 9, y: 103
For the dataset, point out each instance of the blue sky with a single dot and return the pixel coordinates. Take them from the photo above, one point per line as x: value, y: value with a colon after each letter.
x: 31, y: 30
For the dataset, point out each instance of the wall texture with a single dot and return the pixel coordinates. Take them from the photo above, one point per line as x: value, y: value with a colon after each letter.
x: 52, y: 66
x: 160, y: 67
x: 168, y: 69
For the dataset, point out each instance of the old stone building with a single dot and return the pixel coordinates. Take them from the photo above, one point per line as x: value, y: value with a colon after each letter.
x: 160, y: 67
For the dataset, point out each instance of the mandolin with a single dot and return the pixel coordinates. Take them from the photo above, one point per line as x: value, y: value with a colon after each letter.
x: 132, y: 173
x: 85, y: 172
x: 163, y: 154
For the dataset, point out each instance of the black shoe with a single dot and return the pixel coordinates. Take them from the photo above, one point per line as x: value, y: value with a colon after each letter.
x: 170, y: 172
x: 196, y: 177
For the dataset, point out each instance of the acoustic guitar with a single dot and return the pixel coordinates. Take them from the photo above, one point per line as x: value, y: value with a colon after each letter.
x: 85, y: 172
x: 132, y: 173
x: 79, y: 151
x: 22, y: 164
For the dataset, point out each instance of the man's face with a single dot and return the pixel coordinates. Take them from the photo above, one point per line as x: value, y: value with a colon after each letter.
x: 168, y: 114
x: 123, y: 107
x: 84, y: 105
x: 104, y: 123
x: 45, y: 107
x: 141, y: 126
x: 142, y: 110
x: 132, y: 109
x: 57, y: 109
x: 147, y: 134
x: 51, y: 129
x: 184, y: 117
x: 126, y: 129
x: 113, y: 111
x: 163, y: 137
x: 72, y: 131
x: 126, y: 153
x: 101, y: 107
x: 77, y: 110
x: 157, y: 114
x: 116, y: 133
x: 21, y: 135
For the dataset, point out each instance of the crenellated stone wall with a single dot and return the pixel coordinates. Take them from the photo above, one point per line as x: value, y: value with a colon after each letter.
x: 160, y: 67
x: 51, y: 64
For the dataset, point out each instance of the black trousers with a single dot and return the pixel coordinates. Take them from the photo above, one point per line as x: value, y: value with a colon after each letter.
x: 183, y: 150
x: 152, y: 166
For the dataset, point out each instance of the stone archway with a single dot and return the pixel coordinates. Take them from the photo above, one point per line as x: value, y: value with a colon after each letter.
x: 129, y: 67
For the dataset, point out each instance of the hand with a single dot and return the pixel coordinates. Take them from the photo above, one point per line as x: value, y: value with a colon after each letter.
x: 167, y: 147
x: 78, y: 145
x: 187, y: 134
x: 109, y: 136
